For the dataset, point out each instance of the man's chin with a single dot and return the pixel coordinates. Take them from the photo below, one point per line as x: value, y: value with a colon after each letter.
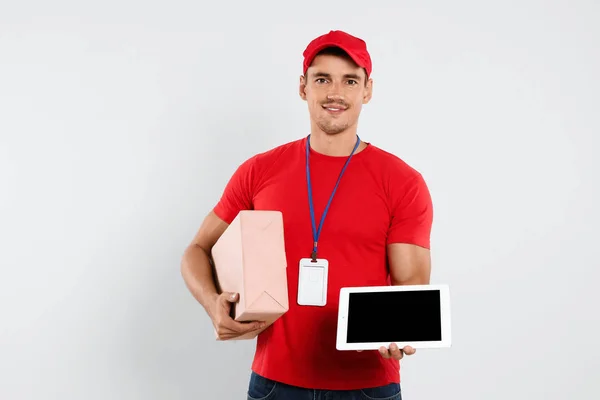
x: 333, y: 130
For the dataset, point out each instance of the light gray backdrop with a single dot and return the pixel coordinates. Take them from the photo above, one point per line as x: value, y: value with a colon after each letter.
x: 121, y: 121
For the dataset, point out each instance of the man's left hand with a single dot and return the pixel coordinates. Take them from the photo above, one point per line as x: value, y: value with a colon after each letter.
x: 395, y: 352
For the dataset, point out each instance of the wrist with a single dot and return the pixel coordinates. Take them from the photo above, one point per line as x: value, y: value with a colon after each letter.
x: 211, y: 304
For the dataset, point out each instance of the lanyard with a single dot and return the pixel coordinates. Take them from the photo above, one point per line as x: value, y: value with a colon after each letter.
x: 317, y: 233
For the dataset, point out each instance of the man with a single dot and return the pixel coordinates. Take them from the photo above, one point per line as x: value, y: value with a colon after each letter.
x: 376, y: 231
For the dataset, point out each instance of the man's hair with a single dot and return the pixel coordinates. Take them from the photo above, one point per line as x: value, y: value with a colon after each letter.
x: 336, y: 51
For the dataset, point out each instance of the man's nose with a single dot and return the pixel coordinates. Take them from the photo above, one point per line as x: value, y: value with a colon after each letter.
x: 334, y: 95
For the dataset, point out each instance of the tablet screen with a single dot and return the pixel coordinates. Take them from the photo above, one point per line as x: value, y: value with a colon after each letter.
x: 401, y: 316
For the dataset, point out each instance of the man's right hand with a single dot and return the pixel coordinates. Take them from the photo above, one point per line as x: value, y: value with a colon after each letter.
x: 225, y: 326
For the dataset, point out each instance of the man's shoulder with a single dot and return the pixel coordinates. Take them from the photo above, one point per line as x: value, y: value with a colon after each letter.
x: 394, y: 164
x: 280, y: 152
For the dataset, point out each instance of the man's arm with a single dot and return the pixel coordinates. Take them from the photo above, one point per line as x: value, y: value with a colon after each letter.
x: 196, y: 268
x: 195, y: 264
x: 409, y: 264
x: 408, y: 245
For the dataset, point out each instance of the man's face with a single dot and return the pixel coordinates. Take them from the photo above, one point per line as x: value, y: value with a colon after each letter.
x: 334, y: 88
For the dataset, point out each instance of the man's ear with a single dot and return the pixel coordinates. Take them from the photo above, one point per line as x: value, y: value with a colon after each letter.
x: 302, y: 87
x: 368, y: 91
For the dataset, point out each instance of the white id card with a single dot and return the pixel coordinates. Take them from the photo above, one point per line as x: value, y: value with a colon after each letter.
x: 312, y: 282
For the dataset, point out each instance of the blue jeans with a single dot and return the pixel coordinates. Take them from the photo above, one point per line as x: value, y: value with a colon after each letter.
x: 261, y: 388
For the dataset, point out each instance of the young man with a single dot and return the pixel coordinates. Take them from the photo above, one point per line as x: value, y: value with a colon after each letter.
x: 376, y: 231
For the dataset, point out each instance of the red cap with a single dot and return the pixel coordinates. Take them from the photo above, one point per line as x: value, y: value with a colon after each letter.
x: 355, y: 47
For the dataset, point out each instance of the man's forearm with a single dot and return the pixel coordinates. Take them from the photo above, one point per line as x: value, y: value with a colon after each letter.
x: 198, y: 276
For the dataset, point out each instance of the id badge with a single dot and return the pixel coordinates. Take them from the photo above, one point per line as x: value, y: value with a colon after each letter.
x: 312, y: 282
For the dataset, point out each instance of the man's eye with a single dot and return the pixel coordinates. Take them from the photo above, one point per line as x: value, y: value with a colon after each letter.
x: 352, y: 82
x: 321, y: 80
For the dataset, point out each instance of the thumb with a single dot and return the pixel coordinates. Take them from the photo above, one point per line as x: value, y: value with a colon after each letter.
x: 230, y: 297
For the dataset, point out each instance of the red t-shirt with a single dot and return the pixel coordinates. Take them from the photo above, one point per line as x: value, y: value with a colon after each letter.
x: 380, y: 200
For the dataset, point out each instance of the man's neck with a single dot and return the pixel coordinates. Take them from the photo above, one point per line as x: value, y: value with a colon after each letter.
x: 338, y: 145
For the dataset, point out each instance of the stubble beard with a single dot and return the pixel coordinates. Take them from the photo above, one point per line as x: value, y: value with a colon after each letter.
x: 331, y: 127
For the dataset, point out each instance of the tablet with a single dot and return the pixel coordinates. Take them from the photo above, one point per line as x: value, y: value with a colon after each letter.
x: 375, y: 316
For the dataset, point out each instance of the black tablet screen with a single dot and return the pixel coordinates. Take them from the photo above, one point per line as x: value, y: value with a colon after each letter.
x: 394, y: 316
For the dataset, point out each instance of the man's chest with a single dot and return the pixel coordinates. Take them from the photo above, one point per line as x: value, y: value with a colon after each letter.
x: 357, y: 214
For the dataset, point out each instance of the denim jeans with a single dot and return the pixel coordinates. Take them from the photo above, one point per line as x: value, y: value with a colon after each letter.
x: 261, y: 388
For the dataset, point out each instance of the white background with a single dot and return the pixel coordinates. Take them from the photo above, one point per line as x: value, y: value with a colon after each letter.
x: 121, y: 121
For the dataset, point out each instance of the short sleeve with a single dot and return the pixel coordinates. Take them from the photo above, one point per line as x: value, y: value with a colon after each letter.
x: 412, y: 213
x: 238, y: 193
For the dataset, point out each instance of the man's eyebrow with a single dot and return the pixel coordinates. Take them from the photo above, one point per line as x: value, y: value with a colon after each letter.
x: 353, y: 76
x: 319, y: 74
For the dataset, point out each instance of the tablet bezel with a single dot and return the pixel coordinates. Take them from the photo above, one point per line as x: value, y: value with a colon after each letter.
x: 342, y: 322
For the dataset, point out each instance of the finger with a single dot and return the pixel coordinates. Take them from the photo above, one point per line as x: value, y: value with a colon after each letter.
x: 408, y: 350
x: 244, y: 327
x: 241, y: 326
x: 229, y: 297
x: 384, y: 352
x: 225, y: 320
x: 229, y: 331
x: 396, y: 352
x: 227, y: 336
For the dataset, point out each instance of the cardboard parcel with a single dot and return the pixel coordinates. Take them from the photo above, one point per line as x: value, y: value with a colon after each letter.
x: 249, y: 259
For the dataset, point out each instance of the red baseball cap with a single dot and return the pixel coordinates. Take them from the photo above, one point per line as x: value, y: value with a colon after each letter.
x: 355, y: 47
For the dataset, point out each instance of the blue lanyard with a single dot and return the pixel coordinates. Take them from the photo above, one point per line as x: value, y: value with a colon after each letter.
x: 317, y: 233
